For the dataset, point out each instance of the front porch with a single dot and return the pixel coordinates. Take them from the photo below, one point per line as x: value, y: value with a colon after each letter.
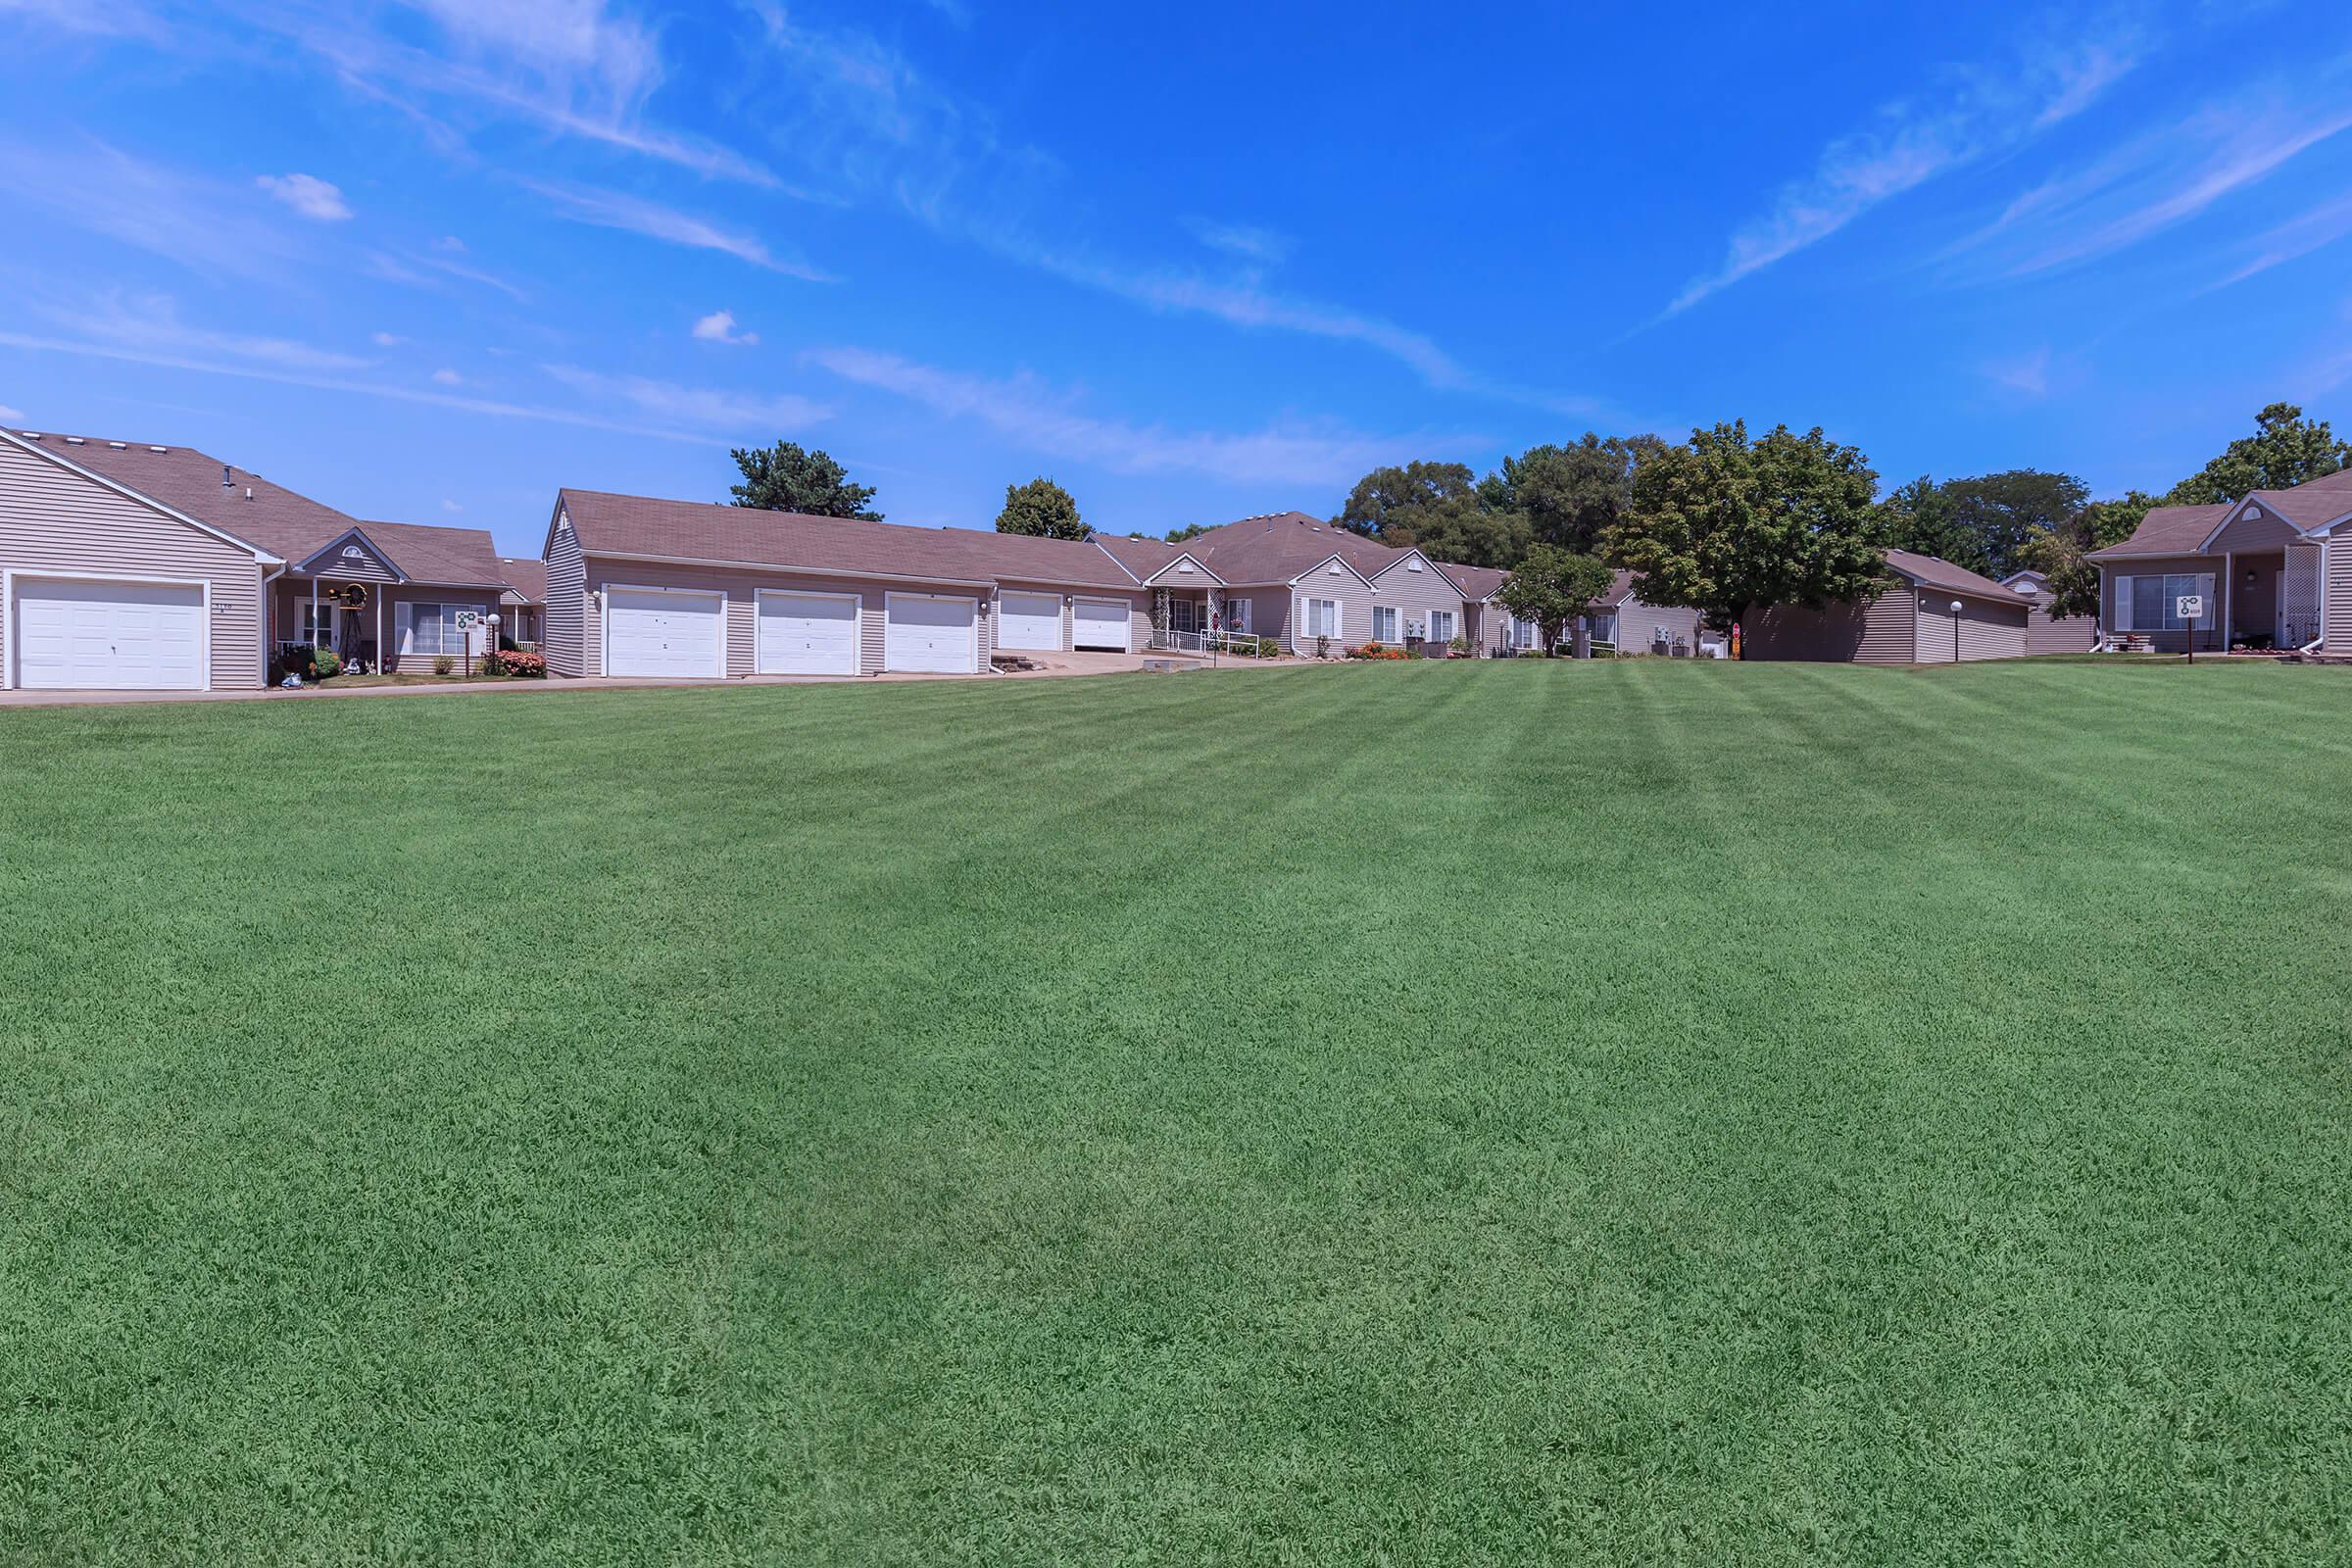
x: 376, y: 627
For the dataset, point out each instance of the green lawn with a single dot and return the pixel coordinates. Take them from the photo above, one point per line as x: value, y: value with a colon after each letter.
x: 1403, y: 1115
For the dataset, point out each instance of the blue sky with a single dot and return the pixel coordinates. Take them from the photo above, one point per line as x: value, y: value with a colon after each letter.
x: 430, y: 261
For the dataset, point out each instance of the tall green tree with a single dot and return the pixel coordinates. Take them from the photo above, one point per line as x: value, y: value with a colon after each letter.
x: 1552, y: 587
x: 786, y: 478
x: 1721, y: 522
x: 1397, y: 497
x: 1041, y: 506
x: 2285, y: 450
x: 1437, y: 507
x: 1919, y: 517
x: 1570, y: 495
x: 1997, y: 513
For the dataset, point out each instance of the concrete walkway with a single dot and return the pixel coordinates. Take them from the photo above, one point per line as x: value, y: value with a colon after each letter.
x: 1054, y: 665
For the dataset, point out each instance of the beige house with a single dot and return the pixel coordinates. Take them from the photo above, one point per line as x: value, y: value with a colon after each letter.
x: 1621, y: 622
x: 1932, y: 613
x: 2046, y: 633
x: 2274, y: 570
x: 136, y: 567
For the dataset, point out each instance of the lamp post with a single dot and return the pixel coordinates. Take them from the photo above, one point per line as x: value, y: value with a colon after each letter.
x: 1956, y: 608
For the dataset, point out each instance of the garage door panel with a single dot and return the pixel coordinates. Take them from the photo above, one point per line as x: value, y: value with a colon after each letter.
x: 931, y: 635
x: 807, y: 634
x: 1031, y: 622
x: 1099, y: 624
x: 109, y: 636
x: 663, y: 633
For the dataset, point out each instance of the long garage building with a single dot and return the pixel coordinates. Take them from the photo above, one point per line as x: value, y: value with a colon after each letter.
x: 688, y: 590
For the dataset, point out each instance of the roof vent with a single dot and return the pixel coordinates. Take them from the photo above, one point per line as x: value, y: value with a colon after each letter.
x: 118, y: 446
x: 2253, y: 512
x: 227, y: 483
x: 158, y: 449
x: 30, y: 435
x: 75, y: 441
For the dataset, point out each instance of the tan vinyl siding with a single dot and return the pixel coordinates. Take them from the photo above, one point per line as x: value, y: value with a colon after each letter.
x: 1414, y: 595
x: 1638, y: 628
x: 1354, y: 598
x: 1876, y: 631
x: 2167, y: 642
x: 2269, y: 531
x: 58, y: 522
x: 1981, y: 630
x: 1139, y: 615
x: 567, y: 611
x: 2336, y: 594
x: 2046, y: 634
x: 741, y: 586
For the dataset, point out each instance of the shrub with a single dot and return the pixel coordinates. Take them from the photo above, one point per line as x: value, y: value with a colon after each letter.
x: 326, y: 664
x: 1460, y: 647
x: 1377, y: 651
x: 515, y: 663
x: 443, y: 665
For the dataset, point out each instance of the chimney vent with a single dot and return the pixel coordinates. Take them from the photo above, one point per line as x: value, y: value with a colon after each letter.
x: 227, y: 483
x: 249, y: 492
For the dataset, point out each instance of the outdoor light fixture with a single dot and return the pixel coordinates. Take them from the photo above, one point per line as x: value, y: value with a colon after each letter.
x: 2249, y: 576
x: 1956, y: 608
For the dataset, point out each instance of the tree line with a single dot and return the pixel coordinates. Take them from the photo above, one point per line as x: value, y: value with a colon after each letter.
x: 1715, y: 524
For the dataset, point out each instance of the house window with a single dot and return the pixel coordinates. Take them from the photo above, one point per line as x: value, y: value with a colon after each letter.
x: 1441, y: 625
x: 1322, y: 618
x: 1383, y: 624
x: 1233, y: 615
x: 434, y: 629
x: 318, y: 624
x: 1525, y: 633
x: 2146, y: 603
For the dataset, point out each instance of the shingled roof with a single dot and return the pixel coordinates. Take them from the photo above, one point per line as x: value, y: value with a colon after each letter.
x: 1934, y: 571
x: 293, y: 527
x: 698, y: 530
x: 2167, y: 531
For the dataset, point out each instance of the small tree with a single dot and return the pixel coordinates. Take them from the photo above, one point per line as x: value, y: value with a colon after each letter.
x: 1552, y: 587
x: 1040, y: 506
x: 787, y: 479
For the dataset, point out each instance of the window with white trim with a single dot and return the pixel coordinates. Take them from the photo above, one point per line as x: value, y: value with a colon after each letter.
x: 1525, y: 633
x: 1441, y: 625
x: 434, y: 629
x: 1322, y: 618
x: 1236, y: 614
x: 2147, y: 603
x: 1383, y: 624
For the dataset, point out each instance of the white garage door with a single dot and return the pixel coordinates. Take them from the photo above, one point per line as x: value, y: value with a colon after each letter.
x: 807, y: 634
x: 1030, y: 620
x: 109, y: 636
x: 1098, y: 623
x: 926, y: 632
x: 664, y: 632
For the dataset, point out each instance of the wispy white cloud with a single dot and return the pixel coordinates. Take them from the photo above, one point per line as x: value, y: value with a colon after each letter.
x: 385, y: 340
x: 207, y: 225
x: 448, y: 377
x: 443, y: 259
x: 1241, y: 240
x: 2164, y: 179
x: 12, y: 416
x: 152, y: 322
x: 575, y: 67
x: 107, y: 21
x: 1306, y: 453
x: 719, y: 327
x: 698, y: 407
x: 314, y: 198
x: 493, y: 407
x: 450, y: 506
x: 2026, y: 374
x: 1972, y: 113
x: 2319, y: 227
x: 636, y: 215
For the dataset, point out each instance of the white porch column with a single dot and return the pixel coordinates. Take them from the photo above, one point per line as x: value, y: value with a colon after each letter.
x: 313, y: 611
x: 2229, y: 610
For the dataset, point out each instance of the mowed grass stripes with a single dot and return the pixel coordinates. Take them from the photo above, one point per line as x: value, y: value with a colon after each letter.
x: 1418, y: 1113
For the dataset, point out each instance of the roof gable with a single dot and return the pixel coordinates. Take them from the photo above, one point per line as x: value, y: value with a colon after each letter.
x: 2168, y: 531
x: 1934, y: 571
x: 351, y: 554
x: 38, y: 446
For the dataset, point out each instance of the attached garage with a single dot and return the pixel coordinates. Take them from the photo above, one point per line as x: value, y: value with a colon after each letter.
x: 107, y: 634
x: 1102, y: 625
x: 677, y: 633
x: 931, y: 633
x: 807, y: 633
x: 1030, y: 621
